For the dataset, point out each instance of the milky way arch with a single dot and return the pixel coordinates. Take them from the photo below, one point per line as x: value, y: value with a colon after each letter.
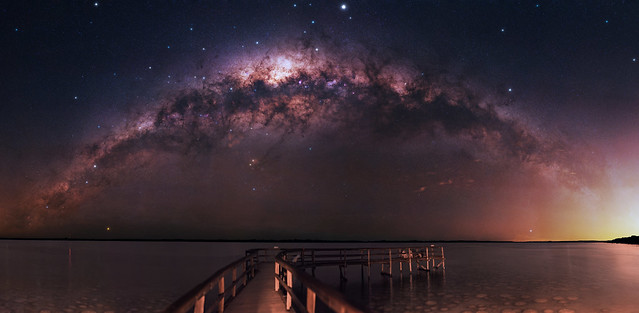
x: 298, y: 91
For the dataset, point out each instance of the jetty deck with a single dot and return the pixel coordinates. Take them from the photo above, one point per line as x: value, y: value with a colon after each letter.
x: 259, y: 296
x: 277, y: 281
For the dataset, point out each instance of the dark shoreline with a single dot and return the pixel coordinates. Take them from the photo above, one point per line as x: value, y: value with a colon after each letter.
x: 627, y: 240
x: 312, y: 240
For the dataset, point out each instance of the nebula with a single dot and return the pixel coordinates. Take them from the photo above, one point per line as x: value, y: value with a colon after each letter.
x: 310, y: 126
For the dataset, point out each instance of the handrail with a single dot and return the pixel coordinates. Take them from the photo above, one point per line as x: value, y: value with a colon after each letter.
x: 314, y: 289
x: 195, y: 297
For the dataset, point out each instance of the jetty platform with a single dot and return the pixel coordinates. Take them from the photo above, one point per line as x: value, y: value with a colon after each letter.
x: 281, y: 280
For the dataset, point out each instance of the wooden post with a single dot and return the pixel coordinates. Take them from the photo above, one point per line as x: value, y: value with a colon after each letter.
x: 245, y: 273
x: 277, y: 275
x: 443, y: 259
x: 234, y: 276
x: 289, y: 283
x: 390, y: 262
x: 252, y: 267
x: 220, y: 288
x: 369, y: 264
x: 427, y: 260
x: 199, y: 305
x: 310, y: 300
x: 410, y: 261
x: 313, y: 261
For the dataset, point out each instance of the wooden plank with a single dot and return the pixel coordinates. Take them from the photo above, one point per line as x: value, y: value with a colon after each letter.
x: 258, y: 296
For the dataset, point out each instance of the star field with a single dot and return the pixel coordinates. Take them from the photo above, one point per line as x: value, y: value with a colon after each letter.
x: 320, y: 120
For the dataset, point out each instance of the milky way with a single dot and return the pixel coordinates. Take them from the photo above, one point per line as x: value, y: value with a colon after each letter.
x: 294, y: 130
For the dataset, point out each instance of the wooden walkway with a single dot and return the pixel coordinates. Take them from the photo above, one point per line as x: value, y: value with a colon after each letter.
x: 248, y: 284
x: 259, y: 296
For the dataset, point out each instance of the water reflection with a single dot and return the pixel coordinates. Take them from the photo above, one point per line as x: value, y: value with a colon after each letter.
x: 549, y: 277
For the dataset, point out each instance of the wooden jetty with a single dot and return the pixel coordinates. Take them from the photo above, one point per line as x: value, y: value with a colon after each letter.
x: 262, y: 281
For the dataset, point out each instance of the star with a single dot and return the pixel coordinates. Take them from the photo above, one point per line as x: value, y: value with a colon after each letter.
x: 343, y: 6
x: 510, y: 89
x: 95, y: 4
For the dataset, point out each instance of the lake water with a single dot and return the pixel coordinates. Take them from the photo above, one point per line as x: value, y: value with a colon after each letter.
x: 77, y: 276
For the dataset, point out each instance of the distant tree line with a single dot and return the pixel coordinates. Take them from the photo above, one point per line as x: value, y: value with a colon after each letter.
x: 632, y: 239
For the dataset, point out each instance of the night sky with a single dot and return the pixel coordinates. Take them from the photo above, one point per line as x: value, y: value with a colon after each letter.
x: 367, y: 120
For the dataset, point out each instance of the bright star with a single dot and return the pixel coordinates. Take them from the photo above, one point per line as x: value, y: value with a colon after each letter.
x: 95, y: 4
x: 343, y: 6
x: 510, y: 89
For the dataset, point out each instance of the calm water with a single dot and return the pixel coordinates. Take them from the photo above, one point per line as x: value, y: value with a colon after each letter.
x: 511, y: 277
x: 61, y: 276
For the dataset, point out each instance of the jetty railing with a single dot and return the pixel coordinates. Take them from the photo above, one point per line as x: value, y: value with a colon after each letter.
x: 424, y: 258
x: 194, y: 300
x: 286, y: 272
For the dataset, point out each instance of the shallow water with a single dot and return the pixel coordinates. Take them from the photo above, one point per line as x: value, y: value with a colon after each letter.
x: 512, y: 277
x: 77, y: 276
x: 61, y: 276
